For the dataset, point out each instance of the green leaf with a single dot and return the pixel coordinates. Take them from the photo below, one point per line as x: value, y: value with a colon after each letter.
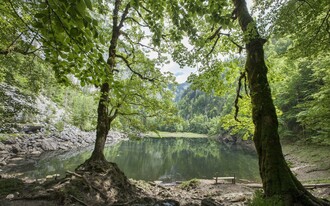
x: 39, y: 15
x: 89, y: 4
x: 74, y: 32
x: 39, y: 25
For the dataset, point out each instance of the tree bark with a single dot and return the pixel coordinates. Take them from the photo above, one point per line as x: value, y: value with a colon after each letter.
x: 103, y: 125
x: 277, y: 178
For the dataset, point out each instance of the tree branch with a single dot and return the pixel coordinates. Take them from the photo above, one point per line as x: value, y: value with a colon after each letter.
x: 138, y: 43
x: 140, y: 15
x: 238, y: 95
x: 123, y: 16
x: 213, y: 47
x: 215, y: 33
x: 131, y: 18
x: 132, y: 70
x: 319, y: 28
x: 232, y: 41
x: 128, y: 114
x: 18, y: 50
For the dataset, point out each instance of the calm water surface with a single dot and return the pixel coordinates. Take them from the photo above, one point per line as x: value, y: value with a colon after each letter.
x: 166, y: 159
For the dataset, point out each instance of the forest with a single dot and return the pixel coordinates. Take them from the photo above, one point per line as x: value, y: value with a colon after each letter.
x: 89, y: 73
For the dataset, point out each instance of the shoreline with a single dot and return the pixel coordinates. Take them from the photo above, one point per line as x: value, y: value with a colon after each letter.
x: 22, y: 145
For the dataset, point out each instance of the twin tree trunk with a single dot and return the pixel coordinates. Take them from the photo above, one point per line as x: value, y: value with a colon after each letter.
x: 276, y: 176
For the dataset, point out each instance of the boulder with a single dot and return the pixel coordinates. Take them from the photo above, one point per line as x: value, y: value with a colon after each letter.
x: 29, y: 129
x: 48, y: 145
x: 10, y: 196
x: 210, y: 202
x: 15, y: 149
x: 2, y: 146
x: 167, y: 202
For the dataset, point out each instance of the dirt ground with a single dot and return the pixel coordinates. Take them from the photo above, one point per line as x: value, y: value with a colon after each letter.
x: 194, y: 192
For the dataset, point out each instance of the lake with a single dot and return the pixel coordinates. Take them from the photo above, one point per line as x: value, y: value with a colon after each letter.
x: 165, y: 159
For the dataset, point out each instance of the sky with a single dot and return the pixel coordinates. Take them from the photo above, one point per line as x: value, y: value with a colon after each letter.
x: 182, y: 74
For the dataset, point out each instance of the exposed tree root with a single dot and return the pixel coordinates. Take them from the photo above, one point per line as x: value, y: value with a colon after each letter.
x: 109, y: 182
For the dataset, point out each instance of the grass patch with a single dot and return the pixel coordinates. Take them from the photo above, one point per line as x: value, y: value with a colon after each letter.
x: 259, y: 200
x: 176, y: 134
x: 3, y: 137
x: 190, y: 184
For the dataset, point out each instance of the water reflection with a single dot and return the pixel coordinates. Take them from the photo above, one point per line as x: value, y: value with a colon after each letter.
x: 181, y: 159
x: 166, y: 159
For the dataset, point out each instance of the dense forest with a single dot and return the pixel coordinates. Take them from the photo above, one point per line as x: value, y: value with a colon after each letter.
x: 262, y: 74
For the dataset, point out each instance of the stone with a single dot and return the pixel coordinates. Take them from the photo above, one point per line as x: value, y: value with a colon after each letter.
x: 2, y: 146
x: 9, y: 141
x: 15, y: 149
x: 48, y: 145
x: 210, y: 202
x: 4, y: 152
x: 62, y: 147
x: 235, y: 197
x: 167, y: 202
x: 16, y: 159
x: 29, y: 129
x: 35, y: 152
x: 10, y: 196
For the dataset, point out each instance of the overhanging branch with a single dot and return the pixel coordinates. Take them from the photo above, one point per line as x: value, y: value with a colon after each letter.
x: 132, y: 70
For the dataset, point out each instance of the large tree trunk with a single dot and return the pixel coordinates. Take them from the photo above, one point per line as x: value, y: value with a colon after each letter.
x: 276, y: 176
x: 103, y: 125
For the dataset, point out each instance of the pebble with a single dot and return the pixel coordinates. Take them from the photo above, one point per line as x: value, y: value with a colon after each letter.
x: 36, y: 153
x: 16, y: 159
x: 10, y: 196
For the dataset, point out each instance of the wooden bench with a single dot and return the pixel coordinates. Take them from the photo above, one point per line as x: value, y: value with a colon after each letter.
x: 233, y: 179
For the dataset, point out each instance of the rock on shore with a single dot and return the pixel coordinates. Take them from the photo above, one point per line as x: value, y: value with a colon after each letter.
x: 50, y: 140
